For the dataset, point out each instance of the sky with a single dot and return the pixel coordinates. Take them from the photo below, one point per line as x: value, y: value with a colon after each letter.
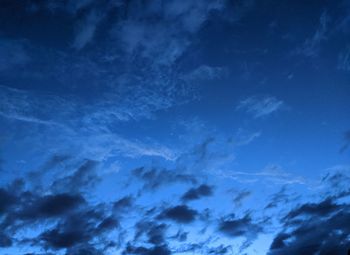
x: 161, y: 127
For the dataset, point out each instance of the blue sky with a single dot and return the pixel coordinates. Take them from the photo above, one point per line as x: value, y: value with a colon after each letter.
x: 174, y: 127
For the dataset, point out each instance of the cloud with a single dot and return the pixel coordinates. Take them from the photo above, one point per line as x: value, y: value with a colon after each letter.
x: 86, y: 30
x: 7, y: 199
x: 180, y: 214
x: 260, y: 106
x: 311, y: 46
x: 123, y: 204
x: 321, y: 209
x: 13, y: 54
x: 335, y: 181
x: 240, y: 227
x: 205, y: 72
x: 162, y: 40
x: 153, y: 234
x: 344, y: 60
x: 346, y: 142
x: 155, y: 250
x: 280, y: 197
x: 58, y: 221
x: 154, y: 178
x: 244, y: 137
x: 324, y: 231
x: 271, y: 173
x: 241, y: 196
x: 51, y: 206
x: 197, y: 193
x: 84, y: 177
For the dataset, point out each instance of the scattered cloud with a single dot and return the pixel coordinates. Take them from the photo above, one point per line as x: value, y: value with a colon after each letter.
x: 67, y: 220
x: 344, y: 60
x: 312, y: 45
x: 13, y: 54
x: 180, y: 214
x: 238, y: 199
x: 324, y: 232
x: 197, y: 193
x: 271, y: 173
x: 86, y: 30
x: 260, y: 106
x: 235, y: 227
x: 346, y: 142
x: 154, y: 178
x: 205, y: 72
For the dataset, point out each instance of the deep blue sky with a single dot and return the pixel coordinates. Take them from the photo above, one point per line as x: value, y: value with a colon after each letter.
x: 167, y: 127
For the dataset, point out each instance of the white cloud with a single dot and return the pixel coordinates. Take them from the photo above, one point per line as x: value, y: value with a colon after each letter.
x: 93, y: 140
x: 205, y: 72
x: 260, y: 106
x: 271, y: 173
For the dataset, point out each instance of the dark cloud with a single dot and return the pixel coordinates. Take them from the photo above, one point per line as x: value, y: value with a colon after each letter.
x: 5, y: 240
x: 241, y: 196
x: 6, y: 200
x: 282, y: 197
x: 181, y: 236
x: 197, y: 193
x: 244, y: 227
x: 346, y: 142
x: 123, y: 204
x: 155, y: 178
x: 78, y: 228
x: 321, y: 209
x: 82, y: 178
x: 179, y: 214
x: 236, y: 227
x: 325, y: 231
x: 219, y: 250
x: 336, y: 181
x: 140, y: 250
x: 154, y: 232
x: 54, y: 161
x: 64, y: 220
x: 50, y: 206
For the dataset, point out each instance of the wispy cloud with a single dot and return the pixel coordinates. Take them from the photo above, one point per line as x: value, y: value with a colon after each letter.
x: 95, y: 139
x: 271, y: 173
x: 260, y: 106
x: 13, y: 54
x: 312, y: 45
x: 86, y: 30
x: 344, y: 60
x: 205, y: 72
